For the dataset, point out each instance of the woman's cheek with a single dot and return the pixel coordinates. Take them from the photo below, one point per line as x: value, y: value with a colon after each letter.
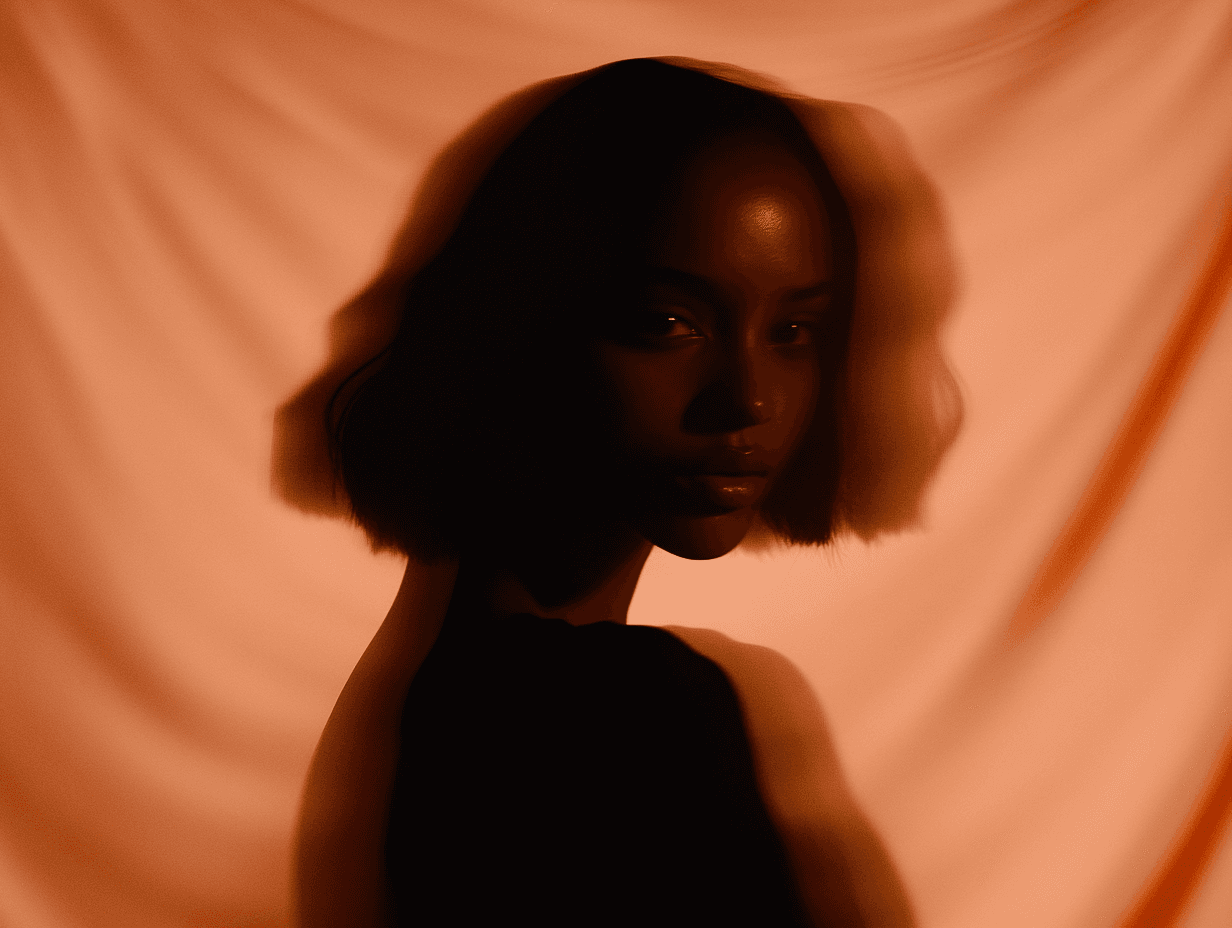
x: 800, y: 383
x: 649, y: 393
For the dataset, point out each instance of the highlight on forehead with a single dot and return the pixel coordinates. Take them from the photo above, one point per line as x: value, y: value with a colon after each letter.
x: 753, y: 202
x: 770, y: 218
x: 756, y: 159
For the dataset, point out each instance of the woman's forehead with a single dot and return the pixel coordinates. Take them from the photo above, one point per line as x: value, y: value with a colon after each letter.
x: 746, y: 202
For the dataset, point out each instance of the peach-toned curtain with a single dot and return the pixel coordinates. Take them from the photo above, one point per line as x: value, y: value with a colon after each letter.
x: 1032, y: 693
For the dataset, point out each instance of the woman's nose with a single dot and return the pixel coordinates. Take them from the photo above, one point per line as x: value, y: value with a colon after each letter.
x: 735, y: 398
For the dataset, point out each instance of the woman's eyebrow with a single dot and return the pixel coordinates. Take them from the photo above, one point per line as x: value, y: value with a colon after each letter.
x: 706, y: 291
x: 811, y: 292
x: 692, y: 284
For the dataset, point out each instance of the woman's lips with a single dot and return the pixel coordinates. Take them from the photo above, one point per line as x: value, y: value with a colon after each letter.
x: 725, y: 491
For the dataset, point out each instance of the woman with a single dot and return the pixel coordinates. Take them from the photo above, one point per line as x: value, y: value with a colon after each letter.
x: 636, y: 335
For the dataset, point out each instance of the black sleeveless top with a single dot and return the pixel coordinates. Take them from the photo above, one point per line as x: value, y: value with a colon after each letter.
x: 593, y: 775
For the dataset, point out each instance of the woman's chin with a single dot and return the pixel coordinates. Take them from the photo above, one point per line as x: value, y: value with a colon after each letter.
x: 698, y: 538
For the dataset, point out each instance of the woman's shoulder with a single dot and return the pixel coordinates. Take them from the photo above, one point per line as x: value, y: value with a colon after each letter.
x: 603, y: 697
x: 524, y: 670
x: 637, y: 655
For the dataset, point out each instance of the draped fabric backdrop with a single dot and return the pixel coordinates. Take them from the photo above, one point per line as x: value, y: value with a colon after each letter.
x: 1032, y: 694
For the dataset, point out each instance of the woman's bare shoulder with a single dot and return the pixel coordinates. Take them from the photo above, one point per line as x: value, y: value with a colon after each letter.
x: 844, y: 870
x: 797, y: 764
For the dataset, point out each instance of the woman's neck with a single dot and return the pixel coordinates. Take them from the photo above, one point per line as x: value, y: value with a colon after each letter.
x: 581, y: 580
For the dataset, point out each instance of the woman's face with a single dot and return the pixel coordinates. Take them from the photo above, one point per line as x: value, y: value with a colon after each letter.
x: 713, y: 379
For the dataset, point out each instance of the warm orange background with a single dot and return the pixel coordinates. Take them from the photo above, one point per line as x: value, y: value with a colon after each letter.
x: 1032, y: 694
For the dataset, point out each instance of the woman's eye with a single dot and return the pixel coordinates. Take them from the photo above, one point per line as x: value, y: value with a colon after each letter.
x: 667, y: 326
x: 793, y: 334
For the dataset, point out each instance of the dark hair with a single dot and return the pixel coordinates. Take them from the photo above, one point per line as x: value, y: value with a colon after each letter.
x: 474, y: 404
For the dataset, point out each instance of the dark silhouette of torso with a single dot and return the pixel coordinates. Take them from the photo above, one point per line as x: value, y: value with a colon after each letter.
x: 553, y: 774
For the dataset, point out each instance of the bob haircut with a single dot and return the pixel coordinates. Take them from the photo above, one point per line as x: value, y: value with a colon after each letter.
x: 483, y: 411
